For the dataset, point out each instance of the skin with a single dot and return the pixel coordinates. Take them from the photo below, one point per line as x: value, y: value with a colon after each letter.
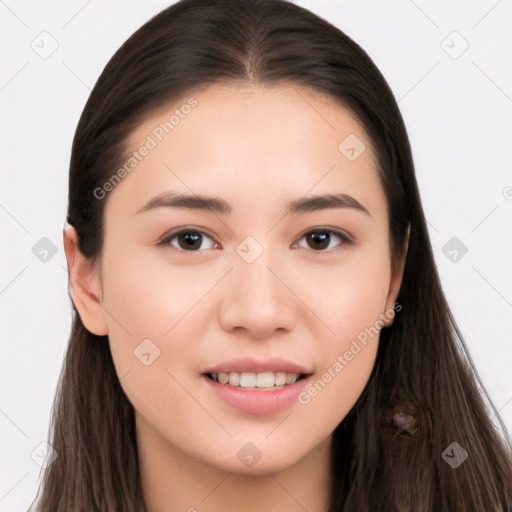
x: 303, y: 304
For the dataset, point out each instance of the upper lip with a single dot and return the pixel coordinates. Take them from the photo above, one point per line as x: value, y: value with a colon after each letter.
x: 254, y: 365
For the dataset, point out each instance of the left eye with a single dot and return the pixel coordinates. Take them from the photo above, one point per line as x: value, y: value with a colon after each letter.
x: 190, y: 239
x: 324, y: 236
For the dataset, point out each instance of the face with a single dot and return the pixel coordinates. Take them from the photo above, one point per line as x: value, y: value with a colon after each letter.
x: 258, y: 282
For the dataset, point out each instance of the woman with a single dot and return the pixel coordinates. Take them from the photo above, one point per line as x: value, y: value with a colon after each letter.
x: 233, y: 155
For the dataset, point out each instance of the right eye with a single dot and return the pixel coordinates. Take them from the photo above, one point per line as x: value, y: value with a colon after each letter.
x: 187, y: 240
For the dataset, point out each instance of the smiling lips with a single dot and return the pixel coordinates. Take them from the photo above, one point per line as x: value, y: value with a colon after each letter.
x: 256, y: 400
x: 257, y: 373
x: 255, y: 380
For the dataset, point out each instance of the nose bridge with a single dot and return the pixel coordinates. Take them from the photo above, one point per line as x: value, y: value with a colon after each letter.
x: 254, y: 278
x: 257, y: 278
x: 258, y: 300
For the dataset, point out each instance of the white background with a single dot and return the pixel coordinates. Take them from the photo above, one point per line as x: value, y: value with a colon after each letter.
x: 458, y: 112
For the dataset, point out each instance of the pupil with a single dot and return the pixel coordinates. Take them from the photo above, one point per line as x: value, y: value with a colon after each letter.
x: 190, y: 238
x: 321, y: 237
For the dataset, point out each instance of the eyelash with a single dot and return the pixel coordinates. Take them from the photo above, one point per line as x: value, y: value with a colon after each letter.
x: 346, y: 240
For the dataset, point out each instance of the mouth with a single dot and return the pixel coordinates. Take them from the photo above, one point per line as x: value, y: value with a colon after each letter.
x: 257, y: 393
x: 257, y: 386
x: 256, y: 381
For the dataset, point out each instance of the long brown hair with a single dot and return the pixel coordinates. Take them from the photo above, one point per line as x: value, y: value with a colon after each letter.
x: 423, y: 379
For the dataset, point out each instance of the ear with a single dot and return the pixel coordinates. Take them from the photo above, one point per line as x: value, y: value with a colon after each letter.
x: 396, y: 279
x: 85, y: 284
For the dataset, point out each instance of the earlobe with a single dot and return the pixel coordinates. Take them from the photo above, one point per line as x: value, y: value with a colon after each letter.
x: 85, y: 285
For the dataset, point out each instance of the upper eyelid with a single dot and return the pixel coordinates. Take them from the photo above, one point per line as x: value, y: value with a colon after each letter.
x: 185, y: 229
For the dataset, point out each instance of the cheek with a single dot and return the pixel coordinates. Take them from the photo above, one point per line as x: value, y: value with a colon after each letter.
x: 149, y: 295
x: 351, y: 305
x: 153, y: 322
x: 345, y: 356
x: 350, y: 296
x: 337, y: 386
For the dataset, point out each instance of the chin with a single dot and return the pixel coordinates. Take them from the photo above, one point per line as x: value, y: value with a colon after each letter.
x: 248, y: 460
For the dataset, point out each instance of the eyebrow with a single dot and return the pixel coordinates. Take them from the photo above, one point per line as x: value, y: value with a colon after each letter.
x: 218, y: 205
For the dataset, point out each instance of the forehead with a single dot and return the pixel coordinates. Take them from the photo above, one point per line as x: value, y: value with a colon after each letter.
x: 283, y: 115
x: 239, y: 142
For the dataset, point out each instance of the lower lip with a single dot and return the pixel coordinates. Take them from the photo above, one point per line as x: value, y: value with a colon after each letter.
x: 258, y: 401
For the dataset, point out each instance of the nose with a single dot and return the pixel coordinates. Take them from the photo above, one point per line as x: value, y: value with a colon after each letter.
x: 258, y: 299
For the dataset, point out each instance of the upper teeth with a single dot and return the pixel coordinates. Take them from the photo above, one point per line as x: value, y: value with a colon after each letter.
x: 255, y: 380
